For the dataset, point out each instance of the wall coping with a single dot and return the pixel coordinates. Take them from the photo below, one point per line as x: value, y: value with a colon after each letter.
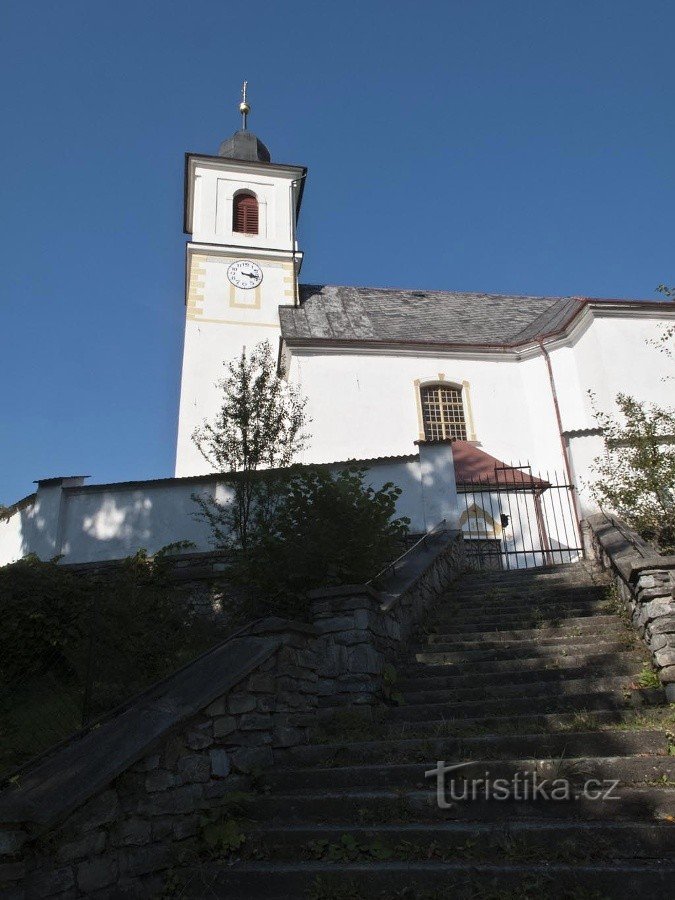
x: 631, y: 555
x: 62, y: 779
x: 404, y: 577
x: 410, y: 569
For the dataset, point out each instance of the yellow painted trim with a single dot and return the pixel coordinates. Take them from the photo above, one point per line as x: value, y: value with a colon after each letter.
x: 195, y: 293
x: 418, y: 404
x: 480, y: 513
x: 236, y: 303
x: 468, y: 409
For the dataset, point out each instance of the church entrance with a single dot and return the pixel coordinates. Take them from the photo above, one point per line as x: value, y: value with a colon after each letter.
x: 512, y: 519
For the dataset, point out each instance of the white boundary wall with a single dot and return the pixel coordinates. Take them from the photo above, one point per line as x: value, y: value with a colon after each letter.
x: 90, y: 523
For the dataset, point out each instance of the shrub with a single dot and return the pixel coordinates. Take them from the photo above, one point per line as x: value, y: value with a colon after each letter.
x: 321, y: 529
x: 636, y: 475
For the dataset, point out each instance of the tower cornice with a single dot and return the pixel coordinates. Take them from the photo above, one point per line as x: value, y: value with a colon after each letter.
x: 225, y: 164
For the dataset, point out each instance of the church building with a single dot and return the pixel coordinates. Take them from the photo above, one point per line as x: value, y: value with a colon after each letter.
x: 504, y: 376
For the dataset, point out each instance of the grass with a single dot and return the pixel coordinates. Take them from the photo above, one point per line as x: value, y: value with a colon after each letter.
x: 648, y: 677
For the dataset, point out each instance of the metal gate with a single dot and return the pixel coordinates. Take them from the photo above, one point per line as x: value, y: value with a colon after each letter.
x: 513, y: 519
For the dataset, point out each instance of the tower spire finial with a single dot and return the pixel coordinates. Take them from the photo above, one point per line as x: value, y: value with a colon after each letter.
x: 244, y: 108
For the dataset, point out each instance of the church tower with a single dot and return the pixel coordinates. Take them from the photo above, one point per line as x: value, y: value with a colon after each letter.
x: 242, y: 263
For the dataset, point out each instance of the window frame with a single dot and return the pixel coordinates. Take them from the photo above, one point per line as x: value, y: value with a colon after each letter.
x: 441, y: 381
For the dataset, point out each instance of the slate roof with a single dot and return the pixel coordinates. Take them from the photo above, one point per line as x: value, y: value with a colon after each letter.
x: 381, y: 315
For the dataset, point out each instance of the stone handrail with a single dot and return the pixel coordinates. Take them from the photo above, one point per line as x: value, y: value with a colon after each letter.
x: 103, y: 795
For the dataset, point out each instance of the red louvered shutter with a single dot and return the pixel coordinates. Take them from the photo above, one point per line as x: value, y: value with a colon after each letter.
x: 245, y: 214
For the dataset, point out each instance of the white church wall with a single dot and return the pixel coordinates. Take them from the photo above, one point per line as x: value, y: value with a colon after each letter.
x: 366, y: 404
x: 207, y: 347
x: 98, y: 522
x: 610, y: 355
x: 217, y: 181
x: 12, y: 539
x: 622, y: 359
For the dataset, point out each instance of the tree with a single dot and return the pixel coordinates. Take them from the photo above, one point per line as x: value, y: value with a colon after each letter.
x: 287, y: 529
x: 665, y: 340
x: 260, y: 425
x: 636, y: 475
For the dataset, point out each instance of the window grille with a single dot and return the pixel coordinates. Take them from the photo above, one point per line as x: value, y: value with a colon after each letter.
x: 443, y: 413
x: 245, y: 214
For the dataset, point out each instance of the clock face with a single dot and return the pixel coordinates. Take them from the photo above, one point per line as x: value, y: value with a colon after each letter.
x: 245, y: 274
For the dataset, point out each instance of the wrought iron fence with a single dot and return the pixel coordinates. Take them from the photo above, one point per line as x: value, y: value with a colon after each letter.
x: 513, y: 519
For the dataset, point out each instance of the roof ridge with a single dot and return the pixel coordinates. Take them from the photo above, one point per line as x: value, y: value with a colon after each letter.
x: 445, y: 292
x: 548, y: 317
x: 487, y: 294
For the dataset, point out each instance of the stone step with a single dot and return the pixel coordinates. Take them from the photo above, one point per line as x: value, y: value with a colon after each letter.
x: 374, y: 807
x: 504, y: 707
x: 386, y: 880
x: 566, y: 572
x: 597, y: 661
x: 495, y: 622
x: 517, y: 841
x: 420, y: 675
x: 550, y: 613
x: 577, y: 770
x: 541, y: 746
x: 611, y: 624
x: 535, y: 596
x: 569, y: 638
x: 508, y: 624
x: 558, y: 688
x: 515, y: 650
x: 497, y: 725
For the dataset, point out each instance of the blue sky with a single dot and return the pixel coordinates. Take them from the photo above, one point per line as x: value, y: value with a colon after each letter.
x: 522, y: 146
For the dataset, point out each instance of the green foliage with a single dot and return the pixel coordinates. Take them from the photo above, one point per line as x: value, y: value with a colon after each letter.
x: 326, y: 888
x: 321, y: 530
x: 259, y: 425
x: 349, y: 849
x: 648, y: 677
x: 44, y: 619
x: 636, y: 476
x: 288, y: 529
x: 389, y: 679
x: 116, y: 631
x: 666, y: 340
x: 222, y: 836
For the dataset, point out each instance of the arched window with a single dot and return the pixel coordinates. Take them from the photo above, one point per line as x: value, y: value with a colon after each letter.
x: 245, y: 213
x: 443, y: 412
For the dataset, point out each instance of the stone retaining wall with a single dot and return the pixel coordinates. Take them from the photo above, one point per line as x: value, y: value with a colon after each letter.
x: 142, y: 821
x: 199, y: 579
x: 362, y: 629
x: 645, y: 581
x: 115, y: 807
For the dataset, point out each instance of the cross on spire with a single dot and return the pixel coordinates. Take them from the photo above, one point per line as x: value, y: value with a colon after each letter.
x: 244, y: 108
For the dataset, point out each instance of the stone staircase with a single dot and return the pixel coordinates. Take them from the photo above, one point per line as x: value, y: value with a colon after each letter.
x: 516, y: 672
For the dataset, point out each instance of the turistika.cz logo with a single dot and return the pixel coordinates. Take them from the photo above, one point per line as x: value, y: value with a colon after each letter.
x: 523, y: 786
